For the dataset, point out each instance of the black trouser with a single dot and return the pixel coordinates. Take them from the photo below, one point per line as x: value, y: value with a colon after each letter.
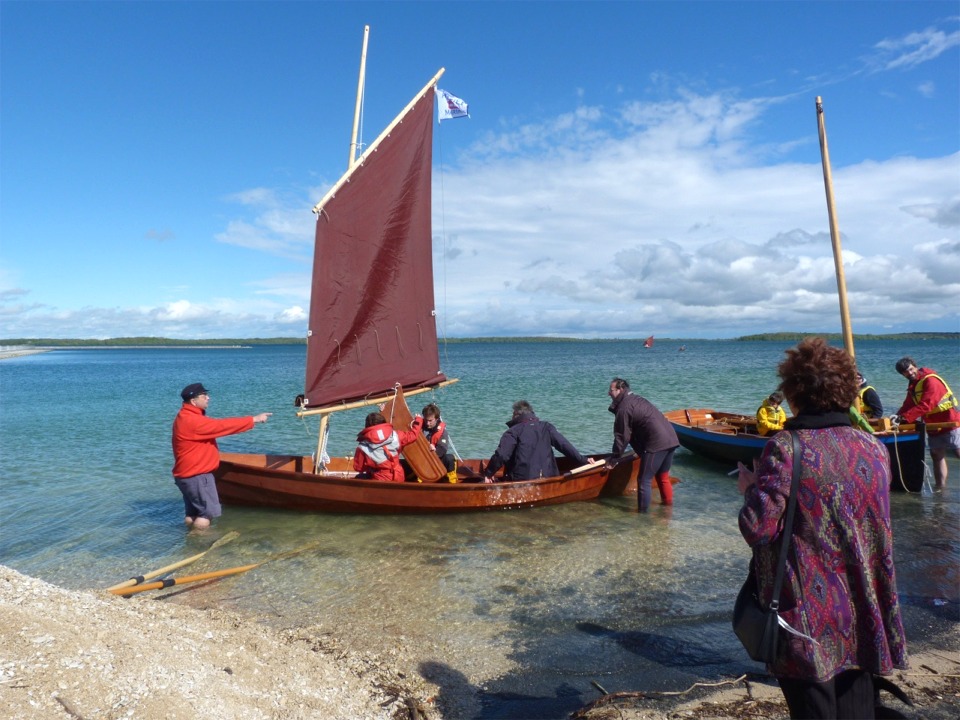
x: 848, y: 696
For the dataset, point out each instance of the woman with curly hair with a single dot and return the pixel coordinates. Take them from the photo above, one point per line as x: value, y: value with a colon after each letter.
x: 840, y: 593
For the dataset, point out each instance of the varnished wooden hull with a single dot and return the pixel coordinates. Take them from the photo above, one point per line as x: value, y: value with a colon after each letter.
x: 287, y: 482
x: 729, y: 438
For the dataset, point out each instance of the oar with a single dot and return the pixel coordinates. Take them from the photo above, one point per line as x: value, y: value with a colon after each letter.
x: 170, y: 582
x: 232, y: 535
x: 585, y: 468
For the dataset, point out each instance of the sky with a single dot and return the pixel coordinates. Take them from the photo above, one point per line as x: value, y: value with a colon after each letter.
x: 627, y: 169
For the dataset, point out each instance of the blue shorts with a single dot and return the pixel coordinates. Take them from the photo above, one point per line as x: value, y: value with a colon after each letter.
x: 200, y: 497
x: 945, y: 441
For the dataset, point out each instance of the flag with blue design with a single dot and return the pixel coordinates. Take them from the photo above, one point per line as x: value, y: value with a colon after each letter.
x: 450, y: 106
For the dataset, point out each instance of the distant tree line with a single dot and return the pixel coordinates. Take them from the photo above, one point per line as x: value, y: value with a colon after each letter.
x: 228, y: 342
x: 838, y: 337
x: 149, y: 342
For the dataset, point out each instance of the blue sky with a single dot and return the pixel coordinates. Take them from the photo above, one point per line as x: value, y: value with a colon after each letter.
x: 628, y: 167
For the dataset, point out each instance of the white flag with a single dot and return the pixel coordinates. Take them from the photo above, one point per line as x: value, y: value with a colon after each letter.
x: 450, y: 106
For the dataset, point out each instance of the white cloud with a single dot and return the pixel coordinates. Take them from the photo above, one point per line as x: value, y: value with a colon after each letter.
x: 661, y: 217
x: 916, y: 47
x: 278, y: 226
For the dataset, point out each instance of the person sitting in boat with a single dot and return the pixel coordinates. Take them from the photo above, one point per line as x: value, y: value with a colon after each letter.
x: 378, y: 448
x: 930, y: 398
x: 639, y: 424
x: 435, y: 431
x: 868, y: 401
x: 526, y: 448
x: 770, y: 416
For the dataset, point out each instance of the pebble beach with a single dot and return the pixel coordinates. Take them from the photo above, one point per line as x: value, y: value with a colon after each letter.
x: 94, y: 655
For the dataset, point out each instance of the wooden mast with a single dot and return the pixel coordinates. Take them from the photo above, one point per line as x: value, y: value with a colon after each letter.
x: 360, y: 82
x: 834, y: 234
x: 319, y: 462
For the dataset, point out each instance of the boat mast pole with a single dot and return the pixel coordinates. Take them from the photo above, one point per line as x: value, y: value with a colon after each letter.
x: 318, y: 462
x: 834, y: 234
x: 356, y: 112
x: 319, y: 465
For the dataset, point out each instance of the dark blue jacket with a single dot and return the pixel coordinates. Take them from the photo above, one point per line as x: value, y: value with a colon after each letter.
x: 526, y: 450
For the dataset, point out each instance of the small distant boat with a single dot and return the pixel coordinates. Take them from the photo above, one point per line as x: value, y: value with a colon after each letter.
x: 730, y: 438
x: 682, y: 348
x: 648, y: 343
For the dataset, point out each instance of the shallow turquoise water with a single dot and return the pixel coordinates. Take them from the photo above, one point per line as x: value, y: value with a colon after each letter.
x: 554, y: 597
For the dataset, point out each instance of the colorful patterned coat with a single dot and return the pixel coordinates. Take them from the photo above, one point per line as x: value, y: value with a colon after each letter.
x: 840, y: 587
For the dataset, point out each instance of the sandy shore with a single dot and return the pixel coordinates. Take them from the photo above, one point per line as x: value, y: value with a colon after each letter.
x: 93, y: 655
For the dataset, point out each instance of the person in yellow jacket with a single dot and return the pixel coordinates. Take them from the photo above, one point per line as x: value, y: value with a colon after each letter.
x: 770, y: 416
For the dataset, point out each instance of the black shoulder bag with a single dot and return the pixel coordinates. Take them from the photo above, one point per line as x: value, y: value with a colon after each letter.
x: 758, y: 628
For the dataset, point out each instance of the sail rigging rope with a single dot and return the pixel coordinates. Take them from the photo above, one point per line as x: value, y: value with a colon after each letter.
x: 399, y: 340
x: 443, y: 235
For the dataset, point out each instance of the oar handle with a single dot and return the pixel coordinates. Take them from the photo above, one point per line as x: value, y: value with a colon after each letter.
x: 162, y: 571
x: 230, y: 536
x: 170, y: 582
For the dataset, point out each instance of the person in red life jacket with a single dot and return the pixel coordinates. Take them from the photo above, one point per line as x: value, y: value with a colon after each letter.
x: 930, y: 398
x: 196, y: 455
x: 639, y: 424
x: 378, y: 448
x: 525, y: 451
x: 435, y: 431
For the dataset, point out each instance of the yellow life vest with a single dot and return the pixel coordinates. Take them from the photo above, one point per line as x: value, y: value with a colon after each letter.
x: 946, y: 402
x: 860, y: 405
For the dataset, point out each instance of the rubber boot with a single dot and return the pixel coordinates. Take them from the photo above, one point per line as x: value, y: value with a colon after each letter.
x: 666, y: 488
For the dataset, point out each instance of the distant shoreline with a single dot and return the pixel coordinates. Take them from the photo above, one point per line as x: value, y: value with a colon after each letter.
x: 8, y: 352
x: 23, y: 346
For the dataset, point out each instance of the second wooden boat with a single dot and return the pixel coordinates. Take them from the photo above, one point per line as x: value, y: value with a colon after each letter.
x: 731, y: 437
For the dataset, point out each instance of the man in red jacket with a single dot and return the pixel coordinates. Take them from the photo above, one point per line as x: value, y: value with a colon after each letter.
x: 929, y: 397
x: 196, y: 455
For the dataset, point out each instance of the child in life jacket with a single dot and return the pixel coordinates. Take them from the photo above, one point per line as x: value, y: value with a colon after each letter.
x: 435, y: 431
x: 378, y: 448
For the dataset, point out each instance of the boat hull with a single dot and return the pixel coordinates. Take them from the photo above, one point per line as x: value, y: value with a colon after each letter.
x: 728, y: 438
x: 287, y: 482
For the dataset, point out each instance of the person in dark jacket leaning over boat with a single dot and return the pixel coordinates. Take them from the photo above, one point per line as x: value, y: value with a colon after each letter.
x: 196, y: 455
x: 639, y: 424
x: 526, y: 448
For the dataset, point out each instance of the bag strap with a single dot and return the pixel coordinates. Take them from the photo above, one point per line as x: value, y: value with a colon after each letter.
x: 787, y: 524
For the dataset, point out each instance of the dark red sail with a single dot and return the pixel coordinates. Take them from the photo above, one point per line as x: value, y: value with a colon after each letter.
x: 372, y: 320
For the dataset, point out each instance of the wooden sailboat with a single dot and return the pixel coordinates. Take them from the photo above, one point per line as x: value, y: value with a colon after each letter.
x: 372, y: 339
x: 731, y: 437
x: 648, y: 343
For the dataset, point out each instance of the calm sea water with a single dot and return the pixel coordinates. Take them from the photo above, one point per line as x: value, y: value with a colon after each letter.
x: 525, y: 606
